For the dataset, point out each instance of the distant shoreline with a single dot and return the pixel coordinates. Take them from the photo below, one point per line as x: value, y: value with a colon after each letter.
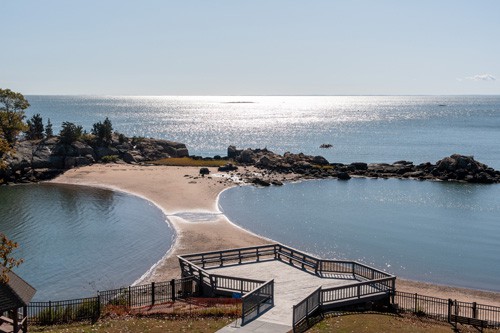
x: 189, y: 202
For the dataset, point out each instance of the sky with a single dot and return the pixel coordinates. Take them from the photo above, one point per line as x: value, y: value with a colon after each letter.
x: 258, y: 47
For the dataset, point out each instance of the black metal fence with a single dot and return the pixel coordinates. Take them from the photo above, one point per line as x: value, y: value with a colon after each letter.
x: 57, y: 312
x: 444, y: 309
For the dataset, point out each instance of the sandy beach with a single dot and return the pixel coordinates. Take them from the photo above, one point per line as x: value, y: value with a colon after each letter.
x: 190, y: 204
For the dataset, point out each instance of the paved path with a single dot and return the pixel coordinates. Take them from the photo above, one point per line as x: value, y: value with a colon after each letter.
x: 291, y: 285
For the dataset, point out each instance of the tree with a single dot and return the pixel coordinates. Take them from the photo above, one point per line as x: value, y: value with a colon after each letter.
x: 70, y: 132
x: 103, y: 131
x: 48, y: 129
x: 12, y: 106
x: 35, y: 127
x: 7, y: 262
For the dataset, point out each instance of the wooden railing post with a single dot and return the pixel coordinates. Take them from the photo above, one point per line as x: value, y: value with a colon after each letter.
x: 129, y: 297
x: 200, y: 277
x: 474, y: 310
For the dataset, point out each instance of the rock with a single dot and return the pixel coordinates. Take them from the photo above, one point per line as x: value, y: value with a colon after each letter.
x: 204, y: 171
x: 82, y: 149
x: 359, y: 166
x: 246, y: 156
x: 343, y: 176
x: 260, y: 181
x: 82, y: 161
x: 227, y: 167
x: 232, y: 152
x: 326, y: 145
x: 106, y: 151
x: 182, y: 152
x: 69, y: 162
x: 320, y: 160
x: 129, y: 158
x: 264, y: 161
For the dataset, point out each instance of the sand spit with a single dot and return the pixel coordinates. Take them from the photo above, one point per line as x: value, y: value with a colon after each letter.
x: 190, y: 204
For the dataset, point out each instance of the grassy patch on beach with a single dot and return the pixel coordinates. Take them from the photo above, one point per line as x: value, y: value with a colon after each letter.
x: 188, y: 161
x: 375, y: 323
x: 142, y: 324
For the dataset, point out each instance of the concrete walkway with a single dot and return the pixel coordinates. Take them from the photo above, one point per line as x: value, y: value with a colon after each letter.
x: 291, y: 285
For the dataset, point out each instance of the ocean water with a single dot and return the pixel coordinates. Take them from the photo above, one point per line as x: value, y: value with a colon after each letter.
x: 76, y: 240
x: 361, y: 129
x: 439, y: 232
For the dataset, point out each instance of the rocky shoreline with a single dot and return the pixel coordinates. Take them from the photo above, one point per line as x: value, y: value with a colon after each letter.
x: 458, y: 168
x: 37, y: 160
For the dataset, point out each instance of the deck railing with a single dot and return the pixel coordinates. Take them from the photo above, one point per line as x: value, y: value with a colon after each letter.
x: 371, y: 281
x: 307, y: 307
x: 257, y: 302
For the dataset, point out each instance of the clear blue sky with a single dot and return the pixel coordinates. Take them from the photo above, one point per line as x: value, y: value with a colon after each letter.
x: 268, y: 47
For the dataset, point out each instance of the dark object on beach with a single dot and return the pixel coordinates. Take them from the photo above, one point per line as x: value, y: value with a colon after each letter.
x: 228, y: 167
x: 204, y: 171
x: 441, y: 104
x: 326, y: 145
x: 260, y: 181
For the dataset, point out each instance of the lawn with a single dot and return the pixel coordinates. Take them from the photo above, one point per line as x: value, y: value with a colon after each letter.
x: 144, y: 324
x: 387, y: 323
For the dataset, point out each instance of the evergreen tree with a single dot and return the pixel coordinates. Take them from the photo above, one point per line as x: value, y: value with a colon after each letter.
x: 70, y: 132
x: 35, y: 128
x: 103, y: 131
x: 48, y: 129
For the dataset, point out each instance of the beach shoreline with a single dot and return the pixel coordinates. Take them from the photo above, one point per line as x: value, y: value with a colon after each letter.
x: 190, y: 205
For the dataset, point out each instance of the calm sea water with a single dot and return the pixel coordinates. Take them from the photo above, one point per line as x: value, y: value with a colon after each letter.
x: 429, y: 231
x: 76, y: 240
x: 362, y: 128
x: 366, y: 129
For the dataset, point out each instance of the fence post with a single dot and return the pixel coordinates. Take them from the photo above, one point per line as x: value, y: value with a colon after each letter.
x: 97, y: 313
x: 474, y: 310
x: 129, y: 297
x: 450, y: 304
x: 152, y: 293
x: 172, y: 287
x: 50, y: 311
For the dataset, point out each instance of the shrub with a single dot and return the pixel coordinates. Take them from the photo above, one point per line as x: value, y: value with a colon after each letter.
x: 109, y: 158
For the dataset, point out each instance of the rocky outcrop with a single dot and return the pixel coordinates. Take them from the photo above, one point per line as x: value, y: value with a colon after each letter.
x: 33, y: 160
x: 457, y: 167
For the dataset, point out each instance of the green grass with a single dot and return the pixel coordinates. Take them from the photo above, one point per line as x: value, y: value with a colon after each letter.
x: 188, y: 161
x: 387, y: 323
x: 142, y: 324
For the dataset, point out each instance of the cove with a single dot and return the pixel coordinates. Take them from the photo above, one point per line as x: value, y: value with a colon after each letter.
x: 76, y: 240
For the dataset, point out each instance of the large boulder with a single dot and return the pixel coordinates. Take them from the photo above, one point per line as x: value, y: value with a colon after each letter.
x: 320, y: 160
x: 232, y: 152
x: 247, y: 157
